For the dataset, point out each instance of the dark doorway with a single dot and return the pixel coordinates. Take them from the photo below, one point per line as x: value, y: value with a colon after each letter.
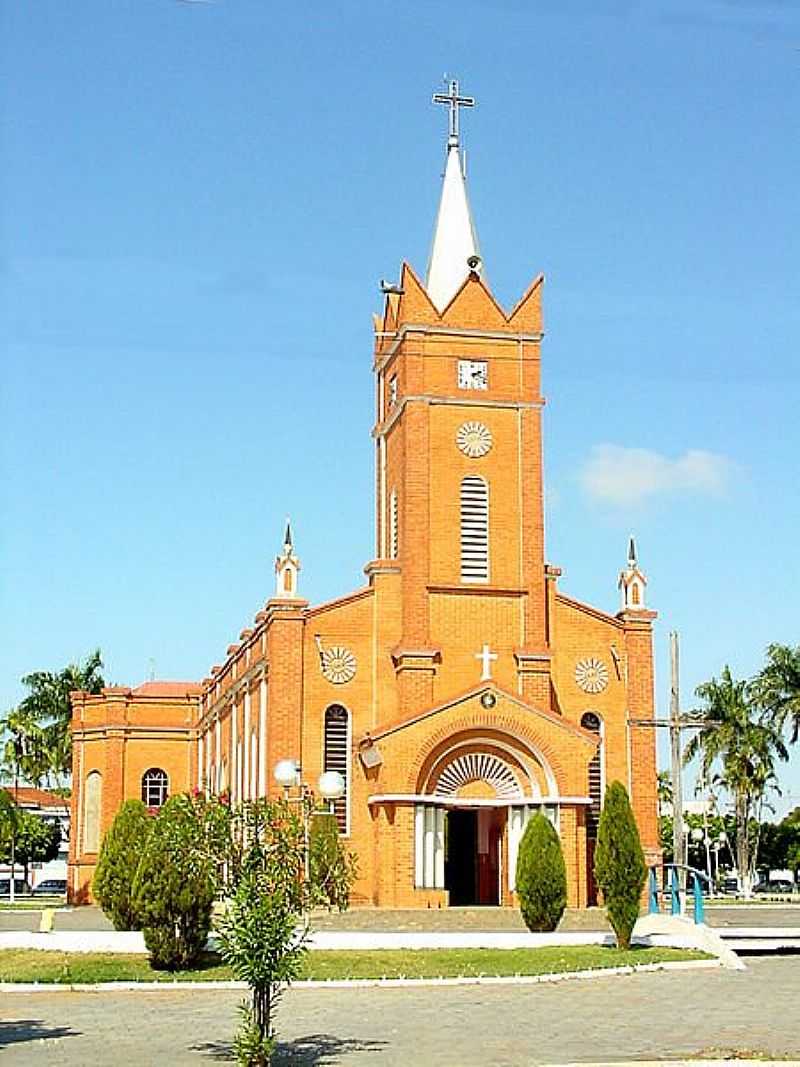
x: 460, y: 865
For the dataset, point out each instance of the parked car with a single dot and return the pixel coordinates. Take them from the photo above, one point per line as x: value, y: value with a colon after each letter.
x: 51, y: 887
x: 775, y: 886
x: 21, y: 887
x: 730, y: 886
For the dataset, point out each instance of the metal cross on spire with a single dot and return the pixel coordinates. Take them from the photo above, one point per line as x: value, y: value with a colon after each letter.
x: 454, y: 101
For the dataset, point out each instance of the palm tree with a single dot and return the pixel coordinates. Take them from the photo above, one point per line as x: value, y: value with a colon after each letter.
x: 743, y: 749
x: 664, y: 790
x: 39, y: 744
x: 776, y: 688
x: 24, y: 752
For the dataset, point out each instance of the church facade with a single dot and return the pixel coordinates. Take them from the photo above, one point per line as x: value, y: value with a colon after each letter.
x: 458, y: 690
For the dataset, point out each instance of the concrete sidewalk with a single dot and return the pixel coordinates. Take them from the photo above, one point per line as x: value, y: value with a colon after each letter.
x: 672, y: 1015
x: 667, y: 933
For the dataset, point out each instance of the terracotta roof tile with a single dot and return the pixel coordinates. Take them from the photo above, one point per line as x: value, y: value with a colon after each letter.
x: 167, y: 689
x: 27, y: 796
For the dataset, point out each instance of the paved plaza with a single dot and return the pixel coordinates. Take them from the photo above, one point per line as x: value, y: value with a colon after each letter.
x: 421, y: 920
x: 644, y: 1016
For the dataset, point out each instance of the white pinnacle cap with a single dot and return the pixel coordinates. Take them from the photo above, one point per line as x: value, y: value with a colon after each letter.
x: 454, y: 239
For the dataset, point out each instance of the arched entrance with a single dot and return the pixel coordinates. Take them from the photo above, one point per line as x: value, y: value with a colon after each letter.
x: 481, y: 792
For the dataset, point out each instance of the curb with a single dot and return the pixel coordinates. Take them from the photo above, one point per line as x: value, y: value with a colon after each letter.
x: 361, y: 983
x: 690, y: 1062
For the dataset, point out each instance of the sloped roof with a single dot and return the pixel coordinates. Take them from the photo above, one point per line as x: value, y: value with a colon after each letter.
x: 167, y: 689
x: 27, y: 796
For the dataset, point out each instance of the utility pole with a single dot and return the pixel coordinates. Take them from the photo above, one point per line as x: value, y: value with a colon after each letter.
x: 678, y: 836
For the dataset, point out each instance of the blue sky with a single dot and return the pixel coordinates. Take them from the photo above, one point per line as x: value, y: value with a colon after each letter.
x: 198, y: 202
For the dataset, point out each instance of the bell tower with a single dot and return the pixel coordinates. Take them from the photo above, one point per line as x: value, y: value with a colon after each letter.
x: 458, y: 450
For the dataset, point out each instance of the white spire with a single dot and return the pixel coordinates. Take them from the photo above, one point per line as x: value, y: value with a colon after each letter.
x: 454, y: 239
x: 632, y: 582
x: 287, y: 568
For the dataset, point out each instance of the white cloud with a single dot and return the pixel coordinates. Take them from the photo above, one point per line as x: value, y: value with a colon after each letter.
x: 620, y: 475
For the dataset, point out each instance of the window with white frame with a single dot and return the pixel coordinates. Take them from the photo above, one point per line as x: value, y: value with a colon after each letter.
x: 474, y: 529
x: 155, y: 786
x: 394, y: 542
x: 337, y: 758
x: 429, y: 846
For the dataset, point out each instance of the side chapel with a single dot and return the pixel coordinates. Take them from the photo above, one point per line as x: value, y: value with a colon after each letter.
x: 458, y: 690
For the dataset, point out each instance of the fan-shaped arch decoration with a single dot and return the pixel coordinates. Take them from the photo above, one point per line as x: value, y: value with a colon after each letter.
x: 591, y: 675
x: 474, y: 439
x: 338, y: 664
x: 475, y: 767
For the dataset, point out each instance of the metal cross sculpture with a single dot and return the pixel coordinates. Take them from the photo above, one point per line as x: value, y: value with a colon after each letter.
x: 452, y: 99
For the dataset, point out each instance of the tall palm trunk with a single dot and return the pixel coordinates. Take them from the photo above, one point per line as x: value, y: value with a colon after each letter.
x: 743, y: 857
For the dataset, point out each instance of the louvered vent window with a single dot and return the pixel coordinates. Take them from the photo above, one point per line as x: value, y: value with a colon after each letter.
x: 474, y: 530
x: 393, y: 534
x: 590, y: 721
x: 336, y: 759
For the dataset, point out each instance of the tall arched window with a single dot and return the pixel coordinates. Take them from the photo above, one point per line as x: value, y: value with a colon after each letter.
x: 592, y: 722
x: 91, y: 811
x: 474, y: 529
x: 337, y: 758
x: 154, y: 787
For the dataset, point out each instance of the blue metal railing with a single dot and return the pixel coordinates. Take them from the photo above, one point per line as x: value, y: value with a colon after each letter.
x: 678, y: 895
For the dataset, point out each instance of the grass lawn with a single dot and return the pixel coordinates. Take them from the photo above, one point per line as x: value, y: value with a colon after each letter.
x: 32, y: 903
x: 30, y: 965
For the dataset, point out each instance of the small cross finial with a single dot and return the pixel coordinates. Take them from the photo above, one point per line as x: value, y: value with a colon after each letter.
x: 487, y: 658
x: 453, y: 101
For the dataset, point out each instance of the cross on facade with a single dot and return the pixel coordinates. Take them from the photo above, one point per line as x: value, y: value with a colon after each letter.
x: 486, y: 657
x: 452, y: 99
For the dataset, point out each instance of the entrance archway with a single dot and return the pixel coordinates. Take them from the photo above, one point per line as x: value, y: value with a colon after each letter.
x: 473, y: 782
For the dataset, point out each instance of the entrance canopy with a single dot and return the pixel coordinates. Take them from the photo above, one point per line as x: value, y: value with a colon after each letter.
x: 474, y: 802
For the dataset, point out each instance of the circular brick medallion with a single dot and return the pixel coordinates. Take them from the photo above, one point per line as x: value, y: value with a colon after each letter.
x: 474, y: 439
x: 338, y: 664
x: 591, y: 675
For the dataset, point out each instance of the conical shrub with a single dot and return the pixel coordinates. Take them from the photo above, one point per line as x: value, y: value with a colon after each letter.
x: 118, y: 861
x: 174, y: 887
x: 541, y: 879
x: 619, y: 866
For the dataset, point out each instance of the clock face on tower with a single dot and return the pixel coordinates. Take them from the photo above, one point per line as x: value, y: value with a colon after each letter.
x: 473, y: 374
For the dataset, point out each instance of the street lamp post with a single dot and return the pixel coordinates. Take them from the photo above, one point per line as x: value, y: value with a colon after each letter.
x: 19, y: 749
x: 330, y: 784
x: 697, y: 835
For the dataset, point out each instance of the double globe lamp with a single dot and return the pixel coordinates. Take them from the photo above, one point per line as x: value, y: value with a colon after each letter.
x: 330, y: 784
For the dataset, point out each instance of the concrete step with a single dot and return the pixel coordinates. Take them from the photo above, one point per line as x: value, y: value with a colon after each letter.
x: 760, y: 938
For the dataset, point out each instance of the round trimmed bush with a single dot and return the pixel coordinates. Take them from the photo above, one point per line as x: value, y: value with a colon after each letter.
x: 118, y: 861
x: 541, y: 880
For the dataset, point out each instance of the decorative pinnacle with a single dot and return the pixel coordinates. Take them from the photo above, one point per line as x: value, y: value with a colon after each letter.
x: 287, y: 538
x: 632, y: 552
x: 453, y: 101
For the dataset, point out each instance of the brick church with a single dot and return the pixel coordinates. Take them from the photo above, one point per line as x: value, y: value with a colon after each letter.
x: 457, y: 691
